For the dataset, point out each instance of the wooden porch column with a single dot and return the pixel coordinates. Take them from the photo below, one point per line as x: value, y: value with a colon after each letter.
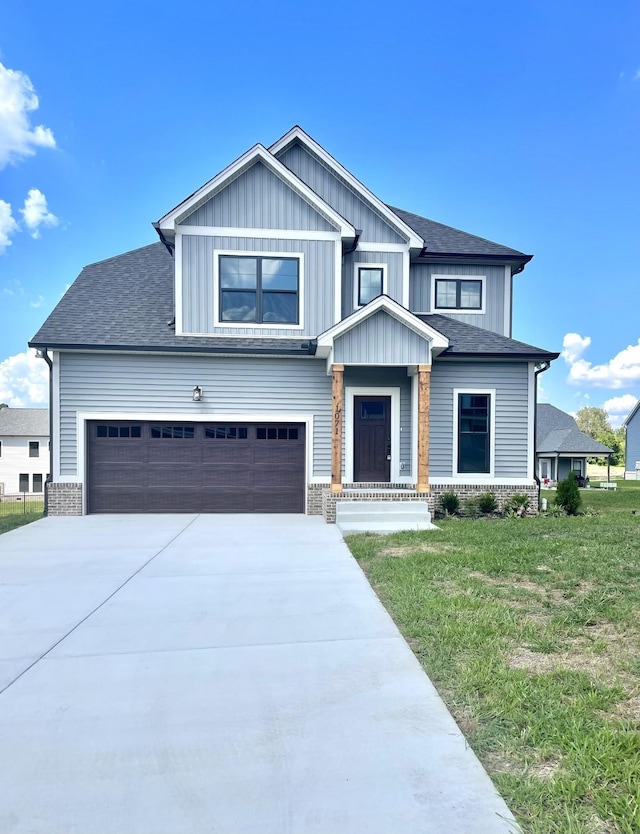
x: 337, y: 388
x: 424, y: 394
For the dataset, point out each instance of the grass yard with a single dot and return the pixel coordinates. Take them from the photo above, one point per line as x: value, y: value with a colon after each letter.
x: 529, y: 628
x: 14, y: 514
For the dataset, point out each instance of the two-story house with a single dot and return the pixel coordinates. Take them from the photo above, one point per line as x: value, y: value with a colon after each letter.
x: 24, y: 450
x: 290, y: 341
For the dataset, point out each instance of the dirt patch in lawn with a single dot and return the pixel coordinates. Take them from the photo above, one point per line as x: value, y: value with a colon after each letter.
x: 403, y: 551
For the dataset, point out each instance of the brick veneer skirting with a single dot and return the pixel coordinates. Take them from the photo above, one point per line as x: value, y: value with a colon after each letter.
x: 64, y: 499
x: 314, y: 498
x: 406, y: 492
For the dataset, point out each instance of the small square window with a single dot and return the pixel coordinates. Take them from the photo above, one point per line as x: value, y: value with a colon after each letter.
x: 369, y: 284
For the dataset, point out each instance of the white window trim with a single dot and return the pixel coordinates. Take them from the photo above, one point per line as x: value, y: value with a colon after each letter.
x: 362, y: 265
x: 472, y: 477
x: 460, y: 311
x: 350, y: 392
x: 83, y: 417
x: 257, y: 325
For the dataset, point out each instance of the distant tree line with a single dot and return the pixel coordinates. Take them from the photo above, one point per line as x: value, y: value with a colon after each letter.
x: 595, y: 422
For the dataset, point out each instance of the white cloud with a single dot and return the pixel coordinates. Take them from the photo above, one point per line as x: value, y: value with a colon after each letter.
x: 573, y: 346
x: 621, y: 371
x: 38, y: 302
x: 36, y: 212
x: 18, y: 138
x: 618, y: 408
x: 24, y: 380
x: 8, y: 225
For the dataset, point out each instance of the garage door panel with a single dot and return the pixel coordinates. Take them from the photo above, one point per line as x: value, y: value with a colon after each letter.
x: 195, y: 467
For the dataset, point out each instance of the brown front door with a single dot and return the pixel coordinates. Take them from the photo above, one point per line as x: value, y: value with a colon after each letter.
x: 372, y: 439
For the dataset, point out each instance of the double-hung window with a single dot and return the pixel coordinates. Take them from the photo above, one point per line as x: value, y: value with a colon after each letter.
x: 463, y: 294
x: 34, y: 448
x: 259, y: 289
x: 474, y: 432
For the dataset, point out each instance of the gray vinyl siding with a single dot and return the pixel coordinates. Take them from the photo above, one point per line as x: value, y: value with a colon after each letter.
x: 632, y: 453
x: 258, y: 199
x: 510, y: 379
x: 154, y: 384
x: 339, y: 195
x: 381, y: 340
x: 420, y: 293
x: 388, y: 378
x: 198, y: 289
x: 392, y: 276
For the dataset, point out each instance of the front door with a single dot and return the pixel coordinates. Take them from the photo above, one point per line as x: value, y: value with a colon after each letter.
x: 372, y: 439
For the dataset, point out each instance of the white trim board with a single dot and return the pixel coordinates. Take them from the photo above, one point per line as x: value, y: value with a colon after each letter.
x: 258, y: 234
x: 82, y: 417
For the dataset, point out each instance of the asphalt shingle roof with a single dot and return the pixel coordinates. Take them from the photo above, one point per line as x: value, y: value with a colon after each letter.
x: 445, y: 240
x: 557, y: 431
x: 24, y: 422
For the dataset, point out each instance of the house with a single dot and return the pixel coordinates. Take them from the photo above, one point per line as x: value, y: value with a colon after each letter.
x: 290, y: 341
x: 561, y: 447
x: 632, y: 445
x: 24, y: 450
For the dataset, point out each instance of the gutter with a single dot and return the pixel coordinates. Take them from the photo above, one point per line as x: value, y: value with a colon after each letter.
x: 306, y: 349
x: 42, y: 354
x: 544, y: 366
x: 168, y: 246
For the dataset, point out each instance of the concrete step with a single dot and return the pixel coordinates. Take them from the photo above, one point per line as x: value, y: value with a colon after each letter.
x: 382, y: 516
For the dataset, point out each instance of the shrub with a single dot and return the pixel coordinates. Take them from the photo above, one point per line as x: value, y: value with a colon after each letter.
x: 568, y: 495
x: 450, y: 502
x: 472, y: 507
x: 516, y: 506
x: 487, y: 503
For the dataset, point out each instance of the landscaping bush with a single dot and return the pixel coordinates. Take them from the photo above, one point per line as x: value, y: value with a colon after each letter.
x: 487, y: 503
x: 472, y: 507
x: 516, y: 506
x: 568, y: 495
x: 450, y: 502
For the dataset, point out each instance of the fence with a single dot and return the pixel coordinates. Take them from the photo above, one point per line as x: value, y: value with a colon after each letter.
x: 21, y: 503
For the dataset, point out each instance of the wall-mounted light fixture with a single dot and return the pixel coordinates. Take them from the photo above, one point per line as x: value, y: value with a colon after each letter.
x: 197, y: 393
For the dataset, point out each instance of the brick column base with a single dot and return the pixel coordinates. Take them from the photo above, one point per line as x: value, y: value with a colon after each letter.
x: 64, y: 499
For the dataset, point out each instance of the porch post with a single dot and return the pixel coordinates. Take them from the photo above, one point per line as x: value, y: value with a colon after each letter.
x: 424, y: 393
x: 337, y: 386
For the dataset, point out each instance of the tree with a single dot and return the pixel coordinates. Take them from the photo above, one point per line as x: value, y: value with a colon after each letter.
x: 3, y: 405
x: 568, y: 494
x: 595, y: 422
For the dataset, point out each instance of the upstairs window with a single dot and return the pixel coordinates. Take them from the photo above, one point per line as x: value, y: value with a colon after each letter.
x: 369, y: 284
x: 259, y: 289
x: 463, y: 294
x: 34, y: 449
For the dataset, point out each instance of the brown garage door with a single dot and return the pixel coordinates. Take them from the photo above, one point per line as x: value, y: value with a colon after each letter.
x: 164, y: 467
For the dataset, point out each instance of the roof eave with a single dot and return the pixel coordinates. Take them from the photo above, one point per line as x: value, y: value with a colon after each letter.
x: 117, y: 348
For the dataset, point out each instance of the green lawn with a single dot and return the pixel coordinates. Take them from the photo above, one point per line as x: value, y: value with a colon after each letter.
x: 12, y: 514
x: 529, y: 628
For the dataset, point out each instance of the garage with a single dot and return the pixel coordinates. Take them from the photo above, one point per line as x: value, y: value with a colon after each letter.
x: 187, y: 467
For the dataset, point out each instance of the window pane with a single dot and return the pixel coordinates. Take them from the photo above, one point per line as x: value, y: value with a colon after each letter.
x: 279, y: 274
x: 34, y: 449
x: 238, y: 272
x: 238, y: 306
x: 474, y: 453
x: 471, y: 295
x: 135, y: 431
x: 101, y: 431
x: 37, y: 483
x: 24, y: 483
x: 446, y: 294
x: 113, y: 431
x: 370, y: 284
x: 372, y: 411
x: 473, y: 433
x: 280, y: 307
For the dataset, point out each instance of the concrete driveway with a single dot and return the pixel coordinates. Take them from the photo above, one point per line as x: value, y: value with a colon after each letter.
x: 231, y: 674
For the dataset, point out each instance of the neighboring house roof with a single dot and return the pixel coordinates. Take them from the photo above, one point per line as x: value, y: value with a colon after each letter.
x: 632, y: 414
x: 24, y: 422
x: 557, y: 431
x: 445, y: 240
x: 126, y: 302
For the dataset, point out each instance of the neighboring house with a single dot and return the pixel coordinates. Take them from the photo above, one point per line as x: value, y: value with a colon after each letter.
x: 632, y: 445
x: 24, y: 449
x: 561, y: 447
x: 291, y: 338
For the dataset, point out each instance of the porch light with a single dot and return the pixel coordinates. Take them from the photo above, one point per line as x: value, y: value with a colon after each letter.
x: 197, y: 393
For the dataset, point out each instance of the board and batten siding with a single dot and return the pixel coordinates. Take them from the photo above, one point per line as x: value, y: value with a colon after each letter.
x: 510, y: 380
x: 198, y: 253
x: 339, y: 195
x: 420, y: 293
x: 94, y: 382
x: 387, y: 378
x: 381, y: 340
x: 258, y: 199
x: 392, y: 276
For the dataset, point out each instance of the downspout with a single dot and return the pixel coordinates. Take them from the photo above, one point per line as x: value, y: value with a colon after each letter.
x: 544, y: 366
x: 42, y: 354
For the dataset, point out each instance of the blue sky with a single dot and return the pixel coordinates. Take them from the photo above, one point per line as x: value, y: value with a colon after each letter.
x: 519, y: 122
